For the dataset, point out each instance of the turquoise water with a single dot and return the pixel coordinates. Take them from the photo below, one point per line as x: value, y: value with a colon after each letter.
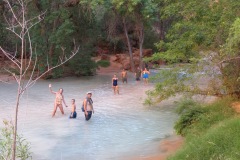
x: 121, y: 126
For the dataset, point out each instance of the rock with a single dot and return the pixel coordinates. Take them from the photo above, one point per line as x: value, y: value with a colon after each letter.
x: 113, y: 58
x: 105, y: 57
x: 121, y: 57
x: 147, y: 52
x: 136, y: 61
x: 126, y: 64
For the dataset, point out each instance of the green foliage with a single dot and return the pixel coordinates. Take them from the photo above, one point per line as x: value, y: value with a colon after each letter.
x: 103, y: 63
x: 195, y: 119
x: 6, y: 141
x: 169, y: 82
x: 82, y: 65
x: 220, y: 142
x: 190, y: 113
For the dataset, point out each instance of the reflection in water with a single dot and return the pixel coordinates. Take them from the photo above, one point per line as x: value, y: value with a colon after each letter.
x: 121, y: 125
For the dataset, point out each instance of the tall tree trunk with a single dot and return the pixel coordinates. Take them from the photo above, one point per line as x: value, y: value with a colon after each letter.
x: 141, y: 40
x: 129, y: 45
x: 19, y: 83
x: 55, y: 7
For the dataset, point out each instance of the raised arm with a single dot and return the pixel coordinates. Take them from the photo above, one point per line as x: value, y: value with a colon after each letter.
x: 50, y: 88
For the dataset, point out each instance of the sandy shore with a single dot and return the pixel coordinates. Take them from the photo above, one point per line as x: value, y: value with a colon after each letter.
x: 166, y: 148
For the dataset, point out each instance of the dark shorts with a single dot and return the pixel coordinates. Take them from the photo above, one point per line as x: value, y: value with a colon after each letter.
x: 124, y: 79
x: 87, y: 117
x: 74, y: 115
x: 138, y: 79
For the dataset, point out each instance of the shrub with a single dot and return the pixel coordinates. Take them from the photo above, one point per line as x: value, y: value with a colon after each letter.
x: 6, y: 141
x: 190, y: 113
x: 219, y: 143
x: 82, y: 65
x: 103, y: 63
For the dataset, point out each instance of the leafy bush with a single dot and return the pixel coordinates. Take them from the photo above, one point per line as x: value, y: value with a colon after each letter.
x: 190, y: 113
x: 219, y: 143
x: 202, y: 116
x: 103, y: 63
x: 82, y: 65
x: 6, y: 141
x: 215, y: 133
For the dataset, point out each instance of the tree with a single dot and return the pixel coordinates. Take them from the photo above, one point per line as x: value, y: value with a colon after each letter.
x: 20, y: 25
x: 201, y: 37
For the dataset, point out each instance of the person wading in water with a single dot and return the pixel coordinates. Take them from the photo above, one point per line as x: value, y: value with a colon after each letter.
x: 58, y: 100
x: 87, y: 107
x: 115, y: 84
x: 124, y: 76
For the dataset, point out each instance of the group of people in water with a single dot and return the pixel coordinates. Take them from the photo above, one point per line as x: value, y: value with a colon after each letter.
x: 87, y: 105
x: 138, y: 74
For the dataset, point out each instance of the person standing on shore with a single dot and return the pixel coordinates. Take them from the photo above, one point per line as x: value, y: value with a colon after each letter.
x: 115, y: 84
x: 145, y: 75
x: 138, y: 74
x: 88, y: 106
x: 58, y: 100
x: 124, y: 76
x: 73, y: 112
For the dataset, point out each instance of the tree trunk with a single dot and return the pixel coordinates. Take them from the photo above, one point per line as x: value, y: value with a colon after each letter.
x: 55, y: 7
x: 19, y: 83
x: 129, y: 45
x: 15, y: 125
x: 141, y: 40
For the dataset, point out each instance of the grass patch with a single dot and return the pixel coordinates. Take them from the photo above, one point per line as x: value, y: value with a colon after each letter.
x: 221, y: 142
x: 211, y: 131
x: 103, y: 63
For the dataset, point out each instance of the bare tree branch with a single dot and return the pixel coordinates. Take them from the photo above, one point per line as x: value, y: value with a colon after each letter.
x: 10, y: 57
x: 13, y: 13
x: 40, y: 76
x: 230, y: 59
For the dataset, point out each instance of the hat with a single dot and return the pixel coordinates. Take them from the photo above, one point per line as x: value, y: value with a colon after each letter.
x: 89, y: 92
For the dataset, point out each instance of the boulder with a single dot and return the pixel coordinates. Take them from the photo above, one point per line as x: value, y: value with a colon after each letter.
x: 105, y: 57
x: 126, y: 64
x: 147, y: 52
x: 136, y: 61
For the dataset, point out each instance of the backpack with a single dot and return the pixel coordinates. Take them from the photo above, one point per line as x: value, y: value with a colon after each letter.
x: 88, y: 100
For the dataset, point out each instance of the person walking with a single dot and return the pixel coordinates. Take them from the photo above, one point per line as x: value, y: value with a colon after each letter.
x: 88, y: 106
x: 73, y: 111
x: 145, y: 75
x: 124, y: 75
x: 138, y: 74
x: 115, y: 84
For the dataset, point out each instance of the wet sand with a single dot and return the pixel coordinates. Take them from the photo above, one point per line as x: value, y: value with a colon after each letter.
x: 166, y: 148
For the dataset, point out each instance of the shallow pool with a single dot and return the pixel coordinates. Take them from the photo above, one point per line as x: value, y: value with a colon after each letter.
x: 121, y: 126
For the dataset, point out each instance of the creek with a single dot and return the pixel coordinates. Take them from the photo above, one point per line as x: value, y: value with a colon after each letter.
x: 121, y: 126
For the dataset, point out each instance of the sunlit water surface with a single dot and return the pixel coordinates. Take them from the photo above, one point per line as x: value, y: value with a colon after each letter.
x: 121, y: 126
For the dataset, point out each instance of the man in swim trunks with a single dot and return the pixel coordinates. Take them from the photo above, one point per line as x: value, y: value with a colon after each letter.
x: 145, y: 75
x: 58, y: 100
x: 124, y: 76
x: 115, y: 84
x: 73, y: 112
x: 138, y: 74
x: 88, y: 106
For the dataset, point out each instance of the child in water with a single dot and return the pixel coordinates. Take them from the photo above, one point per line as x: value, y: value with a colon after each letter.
x: 73, y: 112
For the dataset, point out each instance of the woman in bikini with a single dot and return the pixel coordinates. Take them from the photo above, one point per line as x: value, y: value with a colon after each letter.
x: 115, y: 84
x: 145, y: 75
x: 58, y: 100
